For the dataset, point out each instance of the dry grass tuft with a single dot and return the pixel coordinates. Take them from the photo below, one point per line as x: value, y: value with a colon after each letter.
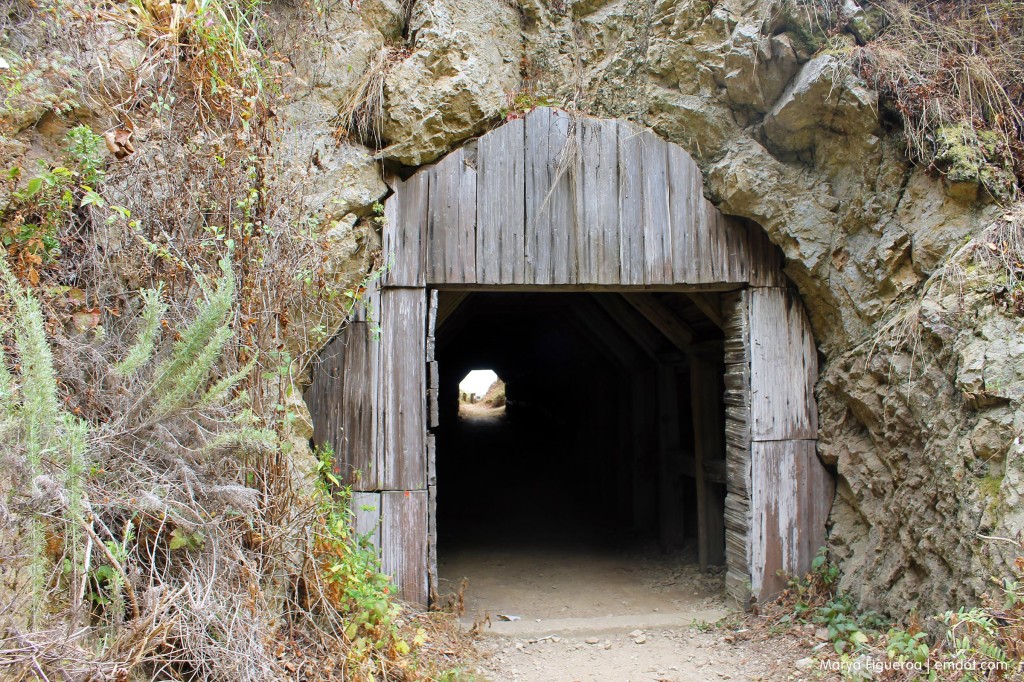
x: 953, y: 71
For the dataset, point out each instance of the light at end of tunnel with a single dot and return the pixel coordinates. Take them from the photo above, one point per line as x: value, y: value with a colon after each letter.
x: 477, y: 382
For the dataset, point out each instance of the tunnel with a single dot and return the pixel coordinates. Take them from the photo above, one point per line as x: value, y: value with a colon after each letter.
x: 611, y: 400
x: 659, y: 366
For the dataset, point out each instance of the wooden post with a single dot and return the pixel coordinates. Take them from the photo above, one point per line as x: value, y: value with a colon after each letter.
x: 705, y: 401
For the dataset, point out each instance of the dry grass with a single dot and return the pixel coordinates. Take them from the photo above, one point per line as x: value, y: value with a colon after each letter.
x: 955, y: 66
x: 201, y: 552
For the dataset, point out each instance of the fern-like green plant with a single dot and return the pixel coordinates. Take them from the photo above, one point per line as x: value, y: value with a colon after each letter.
x: 141, y: 350
x: 38, y: 409
x: 179, y: 378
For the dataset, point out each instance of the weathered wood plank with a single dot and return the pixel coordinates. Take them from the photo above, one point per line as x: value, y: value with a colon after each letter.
x: 685, y: 193
x: 737, y: 517
x: 765, y: 260
x: 431, y: 459
x: 538, y: 219
x: 451, y: 229
x: 657, y: 240
x: 783, y: 367
x: 587, y: 193
x: 605, y: 195
x: 366, y: 516
x: 563, y: 149
x: 501, y: 204
x: 433, y: 584
x: 404, y: 528
x: 404, y: 239
x: 730, y: 248
x: 343, y: 406
x: 466, y: 230
x: 792, y: 494
x: 631, y: 211
x: 403, y: 388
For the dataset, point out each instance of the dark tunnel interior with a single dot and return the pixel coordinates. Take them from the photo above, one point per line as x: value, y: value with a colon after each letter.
x: 608, y: 395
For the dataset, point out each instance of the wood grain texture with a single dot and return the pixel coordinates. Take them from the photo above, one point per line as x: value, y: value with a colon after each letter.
x: 451, y: 220
x: 631, y: 209
x: 657, y: 227
x: 403, y: 233
x: 404, y: 528
x: 343, y: 403
x: 501, y: 204
x: 402, y: 399
x: 366, y: 516
x: 791, y: 497
x: 559, y: 199
x: 735, y: 307
x: 783, y: 367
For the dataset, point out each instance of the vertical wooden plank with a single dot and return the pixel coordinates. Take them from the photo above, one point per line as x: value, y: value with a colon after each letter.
x: 501, y: 207
x: 672, y: 529
x: 605, y: 196
x: 431, y: 460
x: 765, y: 269
x: 791, y: 497
x: 683, y: 193
x: 783, y: 367
x: 404, y: 528
x: 465, y: 268
x: 631, y: 213
x: 439, y: 212
x: 366, y: 516
x: 343, y: 406
x: 538, y: 218
x: 358, y: 409
x: 405, y: 230
x: 656, y: 225
x: 705, y: 401
x: 451, y: 229
x: 432, y: 581
x: 736, y: 329
x: 585, y: 197
x: 564, y: 152
x: 403, y: 388
x: 728, y: 248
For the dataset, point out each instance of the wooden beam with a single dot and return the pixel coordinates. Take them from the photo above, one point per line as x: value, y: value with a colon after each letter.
x: 632, y: 324
x: 709, y: 305
x: 448, y: 304
x: 663, y: 319
x: 708, y: 447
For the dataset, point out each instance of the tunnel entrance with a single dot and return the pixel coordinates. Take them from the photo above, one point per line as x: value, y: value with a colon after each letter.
x: 661, y: 318
x: 591, y: 467
x: 599, y: 421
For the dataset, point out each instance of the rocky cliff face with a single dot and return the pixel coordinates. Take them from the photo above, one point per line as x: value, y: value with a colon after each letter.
x: 920, y: 386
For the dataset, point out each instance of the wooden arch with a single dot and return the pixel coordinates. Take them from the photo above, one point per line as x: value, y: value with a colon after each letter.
x: 563, y: 203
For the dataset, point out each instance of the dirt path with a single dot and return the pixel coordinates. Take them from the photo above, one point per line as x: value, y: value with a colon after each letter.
x: 590, y: 616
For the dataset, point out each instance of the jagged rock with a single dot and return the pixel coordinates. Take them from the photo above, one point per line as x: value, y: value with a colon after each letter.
x: 823, y: 96
x: 464, y: 65
x: 758, y: 67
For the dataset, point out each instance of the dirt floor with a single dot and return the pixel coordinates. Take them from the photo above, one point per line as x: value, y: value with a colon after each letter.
x: 589, y: 616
